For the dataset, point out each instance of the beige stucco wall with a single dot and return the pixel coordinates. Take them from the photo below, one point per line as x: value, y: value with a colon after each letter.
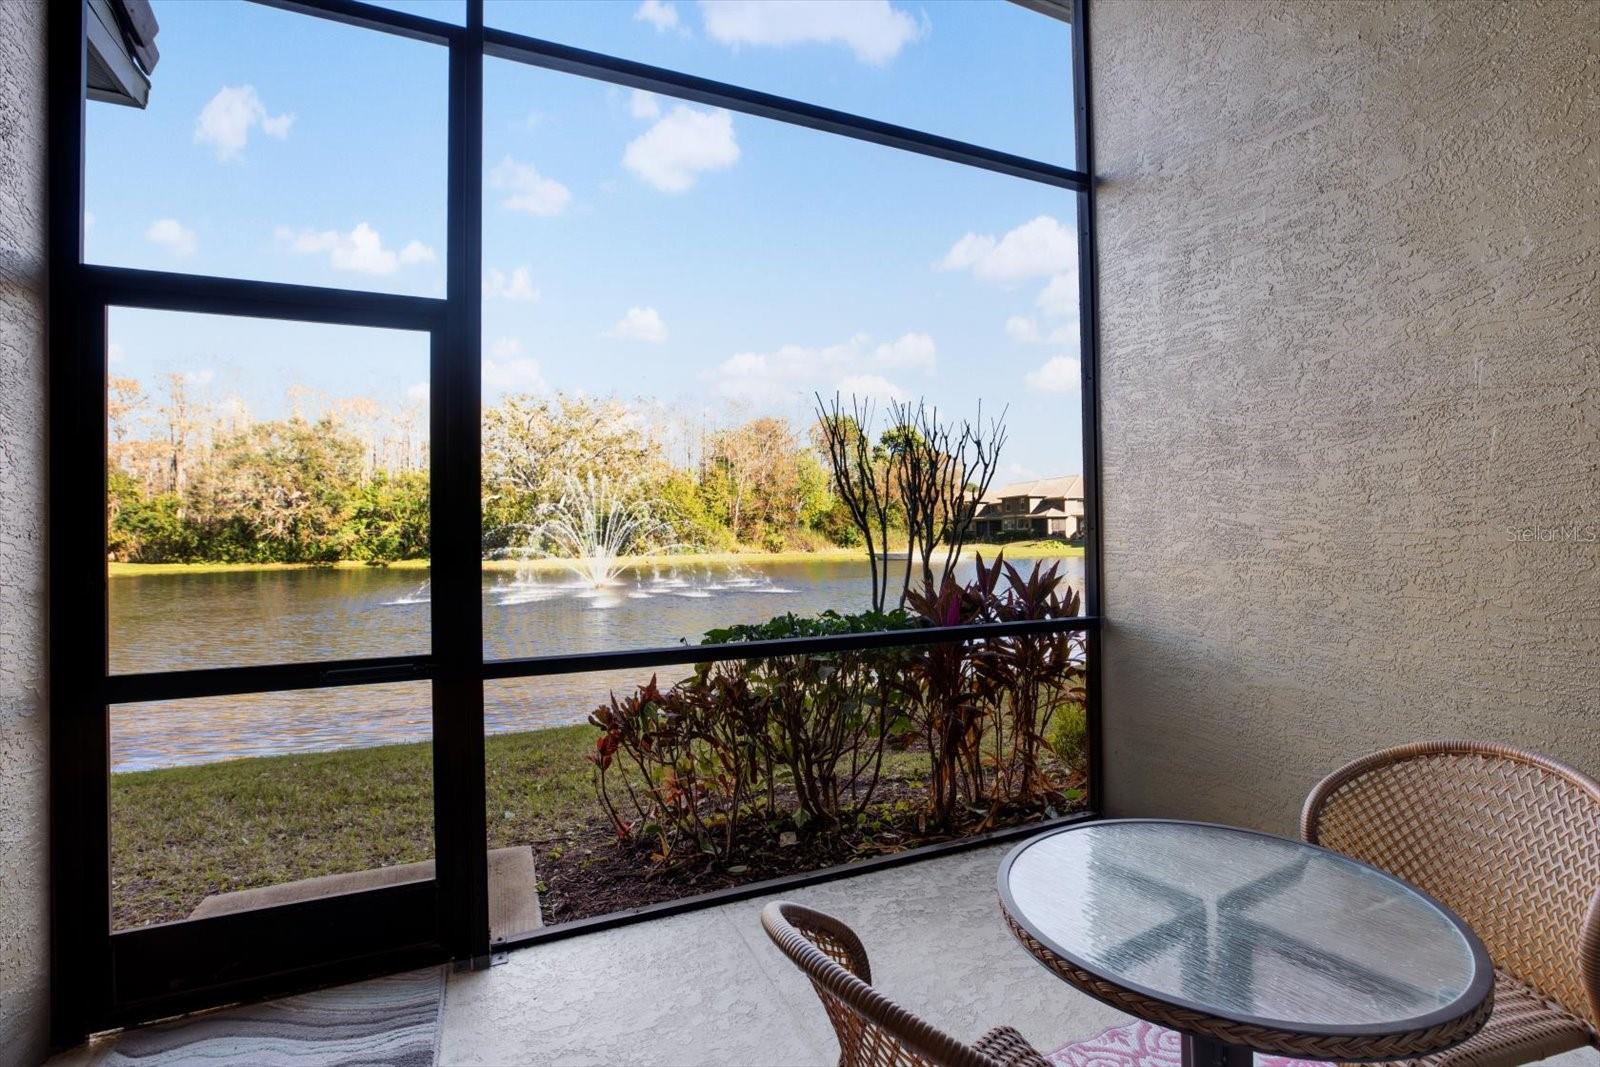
x: 22, y: 536
x: 1350, y: 274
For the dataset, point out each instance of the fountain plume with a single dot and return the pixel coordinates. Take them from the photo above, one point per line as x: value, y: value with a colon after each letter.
x: 594, y: 524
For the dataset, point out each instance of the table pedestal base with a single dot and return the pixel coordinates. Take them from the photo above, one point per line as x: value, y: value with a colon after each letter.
x: 1204, y: 1052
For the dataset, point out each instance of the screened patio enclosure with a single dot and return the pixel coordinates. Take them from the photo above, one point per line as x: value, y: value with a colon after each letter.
x: 188, y: 868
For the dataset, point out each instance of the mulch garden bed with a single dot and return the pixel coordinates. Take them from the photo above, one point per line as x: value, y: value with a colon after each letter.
x: 588, y: 872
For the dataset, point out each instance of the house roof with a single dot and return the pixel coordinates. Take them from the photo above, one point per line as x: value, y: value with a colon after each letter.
x: 1069, y: 486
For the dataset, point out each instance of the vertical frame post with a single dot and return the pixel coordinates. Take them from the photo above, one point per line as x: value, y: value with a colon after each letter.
x: 1089, y: 362
x: 456, y: 525
x: 80, y: 916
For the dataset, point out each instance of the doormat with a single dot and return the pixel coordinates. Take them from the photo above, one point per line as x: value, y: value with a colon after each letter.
x: 392, y: 1020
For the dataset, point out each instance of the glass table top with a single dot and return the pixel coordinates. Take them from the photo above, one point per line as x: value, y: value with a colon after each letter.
x: 1243, y: 925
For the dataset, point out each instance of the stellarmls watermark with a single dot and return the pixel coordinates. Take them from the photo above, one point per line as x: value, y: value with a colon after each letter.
x: 1572, y: 533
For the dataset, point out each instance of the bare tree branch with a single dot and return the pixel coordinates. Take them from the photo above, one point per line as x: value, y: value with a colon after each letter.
x: 943, y: 470
x: 857, y: 478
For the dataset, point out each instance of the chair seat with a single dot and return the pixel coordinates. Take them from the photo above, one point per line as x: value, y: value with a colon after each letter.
x: 1523, y: 1027
x: 1010, y: 1048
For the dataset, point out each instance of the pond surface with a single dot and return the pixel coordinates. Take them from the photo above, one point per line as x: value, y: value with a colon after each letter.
x: 175, y: 621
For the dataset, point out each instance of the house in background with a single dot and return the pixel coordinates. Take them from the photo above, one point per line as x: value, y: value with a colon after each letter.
x: 1044, y: 507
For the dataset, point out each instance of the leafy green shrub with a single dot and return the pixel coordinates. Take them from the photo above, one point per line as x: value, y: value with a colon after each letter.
x: 387, y: 519
x: 680, y: 761
x: 686, y: 763
x: 827, y: 624
x: 835, y: 524
x: 998, y: 719
x: 683, y: 503
x: 1069, y: 734
x: 145, y: 529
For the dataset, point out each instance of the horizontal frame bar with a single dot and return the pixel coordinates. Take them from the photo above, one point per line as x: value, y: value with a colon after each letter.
x: 536, y: 666
x: 783, y: 883
x: 167, y: 968
x: 327, y: 674
x: 234, y: 681
x: 370, y: 17
x: 503, y: 44
x: 201, y: 294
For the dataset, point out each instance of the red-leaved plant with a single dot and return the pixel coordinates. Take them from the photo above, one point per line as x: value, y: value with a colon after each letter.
x: 802, y: 738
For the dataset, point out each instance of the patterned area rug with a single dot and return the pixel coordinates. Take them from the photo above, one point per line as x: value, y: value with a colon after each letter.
x: 1139, y: 1044
x: 389, y: 1021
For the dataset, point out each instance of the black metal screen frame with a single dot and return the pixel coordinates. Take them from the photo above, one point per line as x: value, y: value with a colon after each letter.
x: 102, y: 979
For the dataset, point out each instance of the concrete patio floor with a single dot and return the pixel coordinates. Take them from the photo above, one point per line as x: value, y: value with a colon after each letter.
x: 708, y: 988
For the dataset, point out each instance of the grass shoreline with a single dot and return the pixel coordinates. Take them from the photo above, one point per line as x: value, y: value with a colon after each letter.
x: 1039, y: 549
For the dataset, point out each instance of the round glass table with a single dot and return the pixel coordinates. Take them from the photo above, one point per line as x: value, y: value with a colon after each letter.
x: 1244, y: 942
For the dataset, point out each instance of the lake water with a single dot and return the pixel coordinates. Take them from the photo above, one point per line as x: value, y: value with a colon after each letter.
x: 171, y: 622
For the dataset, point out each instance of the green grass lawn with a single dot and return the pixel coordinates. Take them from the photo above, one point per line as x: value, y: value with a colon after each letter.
x: 181, y: 834
x: 1017, y: 550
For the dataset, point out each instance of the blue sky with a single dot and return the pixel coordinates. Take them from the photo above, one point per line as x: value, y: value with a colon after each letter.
x: 711, y: 263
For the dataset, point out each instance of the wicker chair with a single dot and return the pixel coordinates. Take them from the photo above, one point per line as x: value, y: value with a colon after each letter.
x: 1511, y: 842
x: 874, y: 1031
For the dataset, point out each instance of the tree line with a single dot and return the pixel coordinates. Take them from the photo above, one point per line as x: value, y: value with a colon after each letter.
x: 337, y: 479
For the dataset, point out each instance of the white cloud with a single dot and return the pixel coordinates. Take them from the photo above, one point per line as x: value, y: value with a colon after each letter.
x: 658, y: 13
x: 225, y: 122
x: 173, y: 236
x: 1061, y: 374
x: 508, y: 370
x: 1060, y: 296
x: 1021, y: 328
x: 529, y: 191
x: 1026, y: 329
x: 517, y: 286
x: 520, y: 374
x: 644, y: 105
x: 871, y: 387
x: 88, y: 220
x: 361, y: 250
x: 416, y: 252
x: 115, y: 353
x: 874, y: 30
x: 200, y: 377
x: 418, y: 392
x: 795, y: 371
x: 674, y: 152
x: 1036, y: 249
x: 640, y: 324
x: 912, y: 350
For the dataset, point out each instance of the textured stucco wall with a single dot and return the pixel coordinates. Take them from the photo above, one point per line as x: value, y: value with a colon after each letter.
x: 22, y: 536
x: 1350, y: 338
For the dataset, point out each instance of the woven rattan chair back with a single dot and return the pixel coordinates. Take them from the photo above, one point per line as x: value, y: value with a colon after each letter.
x: 1507, y: 839
x: 873, y: 1031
